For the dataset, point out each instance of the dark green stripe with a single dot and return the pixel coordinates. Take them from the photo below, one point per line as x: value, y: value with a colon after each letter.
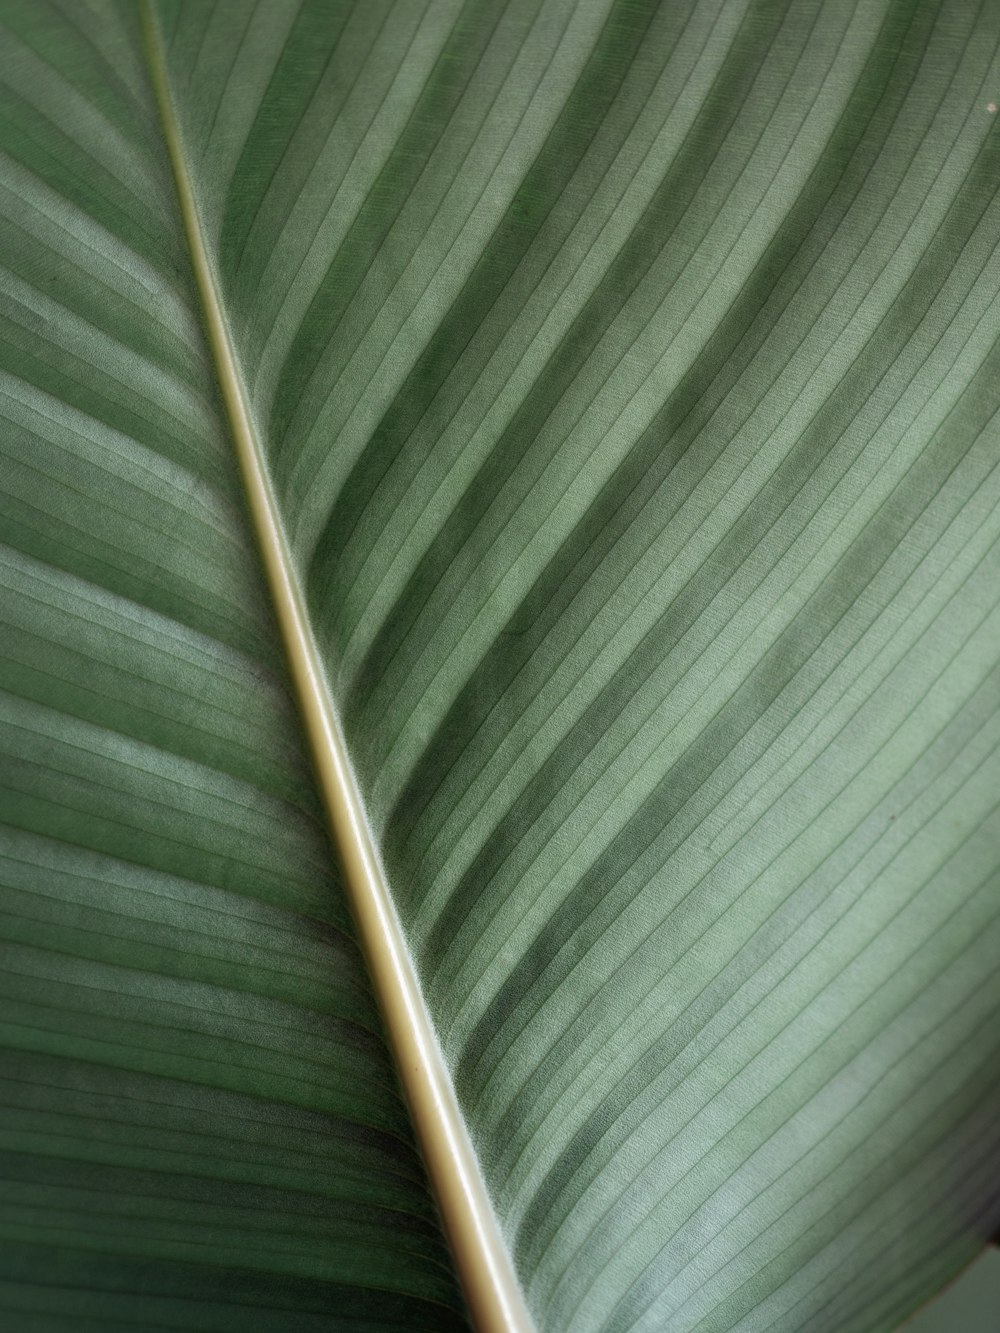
x: 481, y: 715
x: 601, y: 893
x: 607, y: 98
x: 295, y: 82
x: 384, y: 212
x: 618, y: 521
x: 224, y: 1300
x: 514, y: 464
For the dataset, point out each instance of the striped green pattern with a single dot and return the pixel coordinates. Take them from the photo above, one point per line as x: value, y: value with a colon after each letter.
x: 199, y: 1125
x: 628, y: 373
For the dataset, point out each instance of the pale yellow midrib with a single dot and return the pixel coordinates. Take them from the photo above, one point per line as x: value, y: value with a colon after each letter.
x: 481, y: 1255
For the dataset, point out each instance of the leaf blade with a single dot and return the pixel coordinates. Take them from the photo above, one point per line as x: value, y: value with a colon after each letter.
x: 199, y: 1116
x: 627, y: 381
x: 628, y: 538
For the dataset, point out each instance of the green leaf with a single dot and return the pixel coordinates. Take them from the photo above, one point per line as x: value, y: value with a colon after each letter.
x: 625, y: 381
x: 200, y: 1125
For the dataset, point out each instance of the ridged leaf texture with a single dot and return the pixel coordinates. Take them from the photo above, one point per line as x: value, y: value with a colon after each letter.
x: 627, y: 375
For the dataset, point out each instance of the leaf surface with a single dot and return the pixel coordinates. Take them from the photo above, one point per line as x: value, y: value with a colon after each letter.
x: 201, y: 1125
x: 627, y: 379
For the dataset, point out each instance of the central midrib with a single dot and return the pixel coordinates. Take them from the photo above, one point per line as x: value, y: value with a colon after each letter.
x: 481, y: 1255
